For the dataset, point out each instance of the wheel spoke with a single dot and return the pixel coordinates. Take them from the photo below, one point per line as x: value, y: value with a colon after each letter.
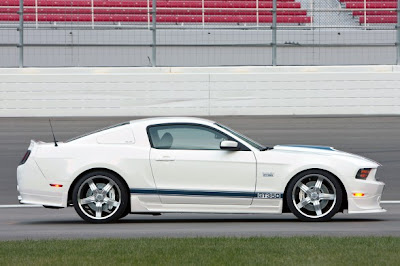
x: 87, y: 200
x: 318, y: 184
x: 107, y: 187
x: 317, y: 207
x: 304, y: 188
x: 303, y: 203
x: 92, y: 186
x: 99, y: 209
x: 324, y: 196
x: 111, y: 202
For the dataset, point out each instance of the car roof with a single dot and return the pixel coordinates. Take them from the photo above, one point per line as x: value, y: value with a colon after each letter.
x: 162, y: 120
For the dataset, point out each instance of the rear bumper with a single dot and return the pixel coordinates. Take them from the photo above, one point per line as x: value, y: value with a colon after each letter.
x: 370, y: 202
x: 34, y: 188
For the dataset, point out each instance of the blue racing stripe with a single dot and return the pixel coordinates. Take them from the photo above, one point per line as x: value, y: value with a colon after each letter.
x: 311, y: 147
x: 176, y: 192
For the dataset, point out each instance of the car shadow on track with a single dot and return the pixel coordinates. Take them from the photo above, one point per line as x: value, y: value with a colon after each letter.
x: 197, y: 220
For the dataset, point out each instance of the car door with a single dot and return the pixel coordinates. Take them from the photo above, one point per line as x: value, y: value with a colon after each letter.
x: 190, y: 168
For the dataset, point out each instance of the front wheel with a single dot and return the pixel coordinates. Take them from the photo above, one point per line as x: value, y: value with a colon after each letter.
x: 100, y: 197
x: 314, y: 195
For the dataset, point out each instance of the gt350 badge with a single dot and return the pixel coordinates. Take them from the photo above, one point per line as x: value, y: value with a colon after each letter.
x: 268, y: 174
x: 269, y: 195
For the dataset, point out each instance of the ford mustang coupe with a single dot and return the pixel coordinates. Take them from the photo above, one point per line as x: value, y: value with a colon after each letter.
x: 165, y: 165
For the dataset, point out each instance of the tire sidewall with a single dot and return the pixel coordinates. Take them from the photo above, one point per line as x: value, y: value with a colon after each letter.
x: 334, y: 210
x: 124, y: 197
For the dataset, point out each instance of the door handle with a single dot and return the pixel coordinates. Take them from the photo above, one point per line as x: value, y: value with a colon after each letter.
x: 165, y: 158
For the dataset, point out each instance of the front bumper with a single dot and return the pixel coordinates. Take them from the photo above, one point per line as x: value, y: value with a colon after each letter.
x: 370, y: 202
x: 34, y: 188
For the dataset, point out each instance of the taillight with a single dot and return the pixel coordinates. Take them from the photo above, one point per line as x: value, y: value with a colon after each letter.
x: 26, y: 156
x: 363, y: 173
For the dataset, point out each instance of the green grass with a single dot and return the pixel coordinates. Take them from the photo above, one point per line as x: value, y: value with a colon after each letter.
x: 205, y: 251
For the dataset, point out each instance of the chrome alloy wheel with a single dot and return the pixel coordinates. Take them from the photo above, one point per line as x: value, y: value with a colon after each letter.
x: 99, y: 197
x: 314, y: 195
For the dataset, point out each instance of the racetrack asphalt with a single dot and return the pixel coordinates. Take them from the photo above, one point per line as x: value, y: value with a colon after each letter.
x: 41, y: 223
x: 373, y: 137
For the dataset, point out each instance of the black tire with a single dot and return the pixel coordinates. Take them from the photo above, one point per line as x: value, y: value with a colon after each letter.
x: 117, y: 196
x: 127, y: 211
x: 304, y: 203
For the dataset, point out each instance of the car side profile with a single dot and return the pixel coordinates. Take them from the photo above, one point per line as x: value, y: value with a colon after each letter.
x: 178, y: 164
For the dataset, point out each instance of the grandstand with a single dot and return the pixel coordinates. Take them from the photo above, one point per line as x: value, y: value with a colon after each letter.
x: 195, y: 11
x: 198, y: 32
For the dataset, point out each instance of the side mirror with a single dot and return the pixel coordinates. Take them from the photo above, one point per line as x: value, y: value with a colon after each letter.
x: 229, y: 145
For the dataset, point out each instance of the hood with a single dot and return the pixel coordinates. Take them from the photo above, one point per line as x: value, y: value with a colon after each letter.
x: 322, y: 150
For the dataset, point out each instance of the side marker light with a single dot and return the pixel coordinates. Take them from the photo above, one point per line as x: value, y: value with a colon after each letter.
x: 358, y: 194
x: 56, y: 185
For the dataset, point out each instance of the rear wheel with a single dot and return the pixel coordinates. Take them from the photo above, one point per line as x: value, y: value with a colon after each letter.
x: 314, y: 195
x: 100, y: 197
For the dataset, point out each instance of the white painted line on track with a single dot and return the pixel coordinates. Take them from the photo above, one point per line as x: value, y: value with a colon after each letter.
x: 390, y: 201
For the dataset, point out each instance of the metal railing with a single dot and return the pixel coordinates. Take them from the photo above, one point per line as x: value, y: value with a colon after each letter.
x: 281, y: 39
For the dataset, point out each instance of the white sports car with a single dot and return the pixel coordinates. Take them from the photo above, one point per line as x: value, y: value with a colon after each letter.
x: 160, y: 165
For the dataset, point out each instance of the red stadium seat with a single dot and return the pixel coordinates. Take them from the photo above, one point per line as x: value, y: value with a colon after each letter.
x: 372, y: 5
x: 375, y: 13
x: 348, y: 1
x: 373, y: 16
x: 4, y: 10
x: 77, y: 11
x: 379, y: 19
x: 160, y: 18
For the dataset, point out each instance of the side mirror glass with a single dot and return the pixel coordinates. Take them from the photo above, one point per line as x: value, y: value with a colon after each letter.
x: 229, y: 145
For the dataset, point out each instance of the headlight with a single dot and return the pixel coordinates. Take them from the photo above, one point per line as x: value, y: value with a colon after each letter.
x: 363, y: 173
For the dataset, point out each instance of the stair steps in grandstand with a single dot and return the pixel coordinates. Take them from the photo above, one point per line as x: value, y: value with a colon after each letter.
x: 327, y: 18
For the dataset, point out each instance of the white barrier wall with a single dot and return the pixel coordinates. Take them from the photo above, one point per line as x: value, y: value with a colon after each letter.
x: 330, y: 90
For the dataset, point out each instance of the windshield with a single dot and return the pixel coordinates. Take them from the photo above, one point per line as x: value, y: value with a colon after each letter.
x: 244, y: 138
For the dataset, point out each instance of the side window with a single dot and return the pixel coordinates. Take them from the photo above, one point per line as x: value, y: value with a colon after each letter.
x: 185, y: 137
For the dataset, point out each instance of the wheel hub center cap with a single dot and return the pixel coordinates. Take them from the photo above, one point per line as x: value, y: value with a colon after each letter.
x: 314, y: 195
x: 99, y: 197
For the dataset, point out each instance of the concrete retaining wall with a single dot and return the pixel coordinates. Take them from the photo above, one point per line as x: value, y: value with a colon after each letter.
x: 199, y: 48
x: 344, y: 90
